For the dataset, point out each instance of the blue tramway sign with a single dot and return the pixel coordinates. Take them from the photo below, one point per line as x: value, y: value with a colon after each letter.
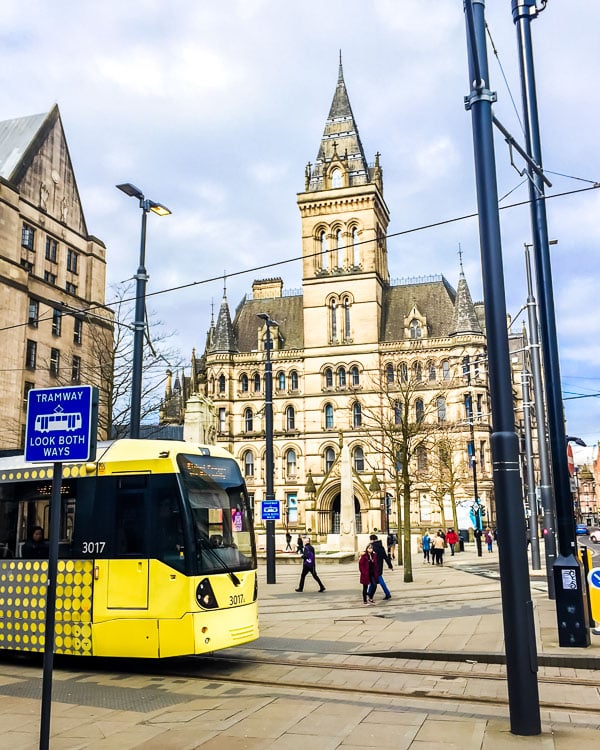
x: 61, y: 424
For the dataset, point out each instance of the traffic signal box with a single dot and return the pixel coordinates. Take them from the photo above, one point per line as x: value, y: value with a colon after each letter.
x: 572, y: 607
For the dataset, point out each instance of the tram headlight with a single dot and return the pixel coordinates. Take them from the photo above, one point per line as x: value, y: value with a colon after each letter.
x: 205, y: 595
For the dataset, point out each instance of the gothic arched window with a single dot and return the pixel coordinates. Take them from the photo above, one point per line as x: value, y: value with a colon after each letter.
x: 248, y: 420
x: 290, y: 418
x: 346, y: 318
x: 389, y: 373
x: 281, y: 380
x: 403, y: 372
x: 248, y: 462
x: 290, y: 463
x: 359, y: 458
x: 355, y: 248
x: 354, y: 376
x: 221, y: 383
x: 328, y: 417
x: 340, y: 249
x: 446, y: 370
x: 323, y: 244
x: 294, y: 380
x: 441, y: 409
x: 415, y: 329
x: 432, y: 372
x: 244, y: 383
x: 333, y: 320
x: 418, y: 372
x: 336, y: 178
x: 328, y: 378
x: 329, y: 459
x: 397, y: 412
x: 256, y: 383
x: 342, y: 377
x: 419, y: 410
x: 356, y: 414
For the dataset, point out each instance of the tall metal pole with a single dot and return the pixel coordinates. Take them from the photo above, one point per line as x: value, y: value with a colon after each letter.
x: 476, y: 503
x: 269, y: 467
x: 539, y: 403
x: 139, y: 323
x: 517, y: 607
x: 531, y: 497
x: 571, y: 594
x: 55, y: 514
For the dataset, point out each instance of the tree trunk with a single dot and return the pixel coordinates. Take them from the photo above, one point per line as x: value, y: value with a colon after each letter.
x: 408, y: 574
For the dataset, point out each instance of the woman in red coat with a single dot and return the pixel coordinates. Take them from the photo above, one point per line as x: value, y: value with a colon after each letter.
x: 367, y: 565
x: 451, y: 539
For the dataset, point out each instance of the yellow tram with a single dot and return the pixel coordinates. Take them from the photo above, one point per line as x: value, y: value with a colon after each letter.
x: 157, y: 555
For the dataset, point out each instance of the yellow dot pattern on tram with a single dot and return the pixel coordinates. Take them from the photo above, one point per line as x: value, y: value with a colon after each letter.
x: 23, y: 589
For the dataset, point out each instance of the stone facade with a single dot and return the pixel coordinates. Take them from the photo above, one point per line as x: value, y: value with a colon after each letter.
x: 51, y: 272
x: 350, y: 351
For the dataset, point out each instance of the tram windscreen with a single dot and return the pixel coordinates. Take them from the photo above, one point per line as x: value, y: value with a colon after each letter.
x: 215, y: 493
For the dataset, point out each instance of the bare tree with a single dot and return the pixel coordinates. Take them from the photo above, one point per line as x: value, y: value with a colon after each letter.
x: 400, y: 427
x: 445, y: 472
x: 110, y: 364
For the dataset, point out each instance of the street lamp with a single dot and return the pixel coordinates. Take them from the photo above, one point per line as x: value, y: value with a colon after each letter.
x: 141, y: 278
x: 269, y: 467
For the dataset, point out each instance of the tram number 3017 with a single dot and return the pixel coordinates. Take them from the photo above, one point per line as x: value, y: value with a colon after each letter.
x: 236, y: 599
x: 93, y: 548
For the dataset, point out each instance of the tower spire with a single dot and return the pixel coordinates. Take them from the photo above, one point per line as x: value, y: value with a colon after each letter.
x: 340, y: 71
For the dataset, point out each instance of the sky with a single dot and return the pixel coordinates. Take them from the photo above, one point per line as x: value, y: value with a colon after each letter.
x: 214, y: 109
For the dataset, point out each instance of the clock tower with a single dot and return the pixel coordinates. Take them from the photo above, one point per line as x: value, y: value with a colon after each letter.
x: 344, y: 227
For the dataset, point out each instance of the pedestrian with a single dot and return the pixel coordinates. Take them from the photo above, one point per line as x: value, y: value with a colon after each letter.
x: 426, y: 546
x: 489, y: 539
x: 288, y: 541
x: 35, y: 548
x: 367, y: 565
x: 452, y: 539
x: 299, y: 545
x: 382, y: 556
x: 308, y: 565
x: 390, y: 544
x: 438, y: 548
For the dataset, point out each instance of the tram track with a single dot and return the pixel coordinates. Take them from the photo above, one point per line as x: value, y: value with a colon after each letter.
x: 473, y: 687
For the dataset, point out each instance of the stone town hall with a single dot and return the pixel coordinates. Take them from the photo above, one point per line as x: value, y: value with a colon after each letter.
x: 349, y: 334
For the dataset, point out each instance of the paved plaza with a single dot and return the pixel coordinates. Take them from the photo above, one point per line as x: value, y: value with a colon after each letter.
x: 448, y: 623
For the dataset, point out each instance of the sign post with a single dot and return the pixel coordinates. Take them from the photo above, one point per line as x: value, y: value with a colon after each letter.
x: 61, y: 426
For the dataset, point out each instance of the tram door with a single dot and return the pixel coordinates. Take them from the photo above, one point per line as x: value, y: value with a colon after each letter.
x: 128, y: 576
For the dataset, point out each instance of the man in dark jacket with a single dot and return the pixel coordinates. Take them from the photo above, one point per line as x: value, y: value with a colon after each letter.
x: 382, y: 556
x: 309, y: 565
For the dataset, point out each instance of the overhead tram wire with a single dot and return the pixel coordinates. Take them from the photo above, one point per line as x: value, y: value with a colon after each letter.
x: 594, y: 185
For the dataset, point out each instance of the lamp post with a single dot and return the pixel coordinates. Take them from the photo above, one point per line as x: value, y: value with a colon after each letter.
x: 141, y: 278
x: 269, y: 494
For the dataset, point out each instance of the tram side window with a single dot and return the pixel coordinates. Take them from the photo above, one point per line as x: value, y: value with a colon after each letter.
x: 170, y: 539
x: 130, y: 524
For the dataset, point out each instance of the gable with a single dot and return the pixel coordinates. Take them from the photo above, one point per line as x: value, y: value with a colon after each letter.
x: 44, y: 175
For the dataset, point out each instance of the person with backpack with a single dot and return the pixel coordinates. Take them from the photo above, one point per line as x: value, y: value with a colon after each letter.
x: 309, y: 566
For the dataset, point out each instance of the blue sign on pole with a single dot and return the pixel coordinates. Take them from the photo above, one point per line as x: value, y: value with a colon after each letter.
x: 61, y: 424
x: 271, y: 510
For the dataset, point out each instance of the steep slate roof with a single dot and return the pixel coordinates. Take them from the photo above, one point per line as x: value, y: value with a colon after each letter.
x: 33, y: 155
x: 464, y: 319
x: 341, y: 130
x: 434, y: 299
x: 286, y: 311
x: 224, y: 339
x: 15, y: 138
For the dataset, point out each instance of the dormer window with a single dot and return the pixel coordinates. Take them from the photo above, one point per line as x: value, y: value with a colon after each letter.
x: 336, y: 178
x: 415, y: 329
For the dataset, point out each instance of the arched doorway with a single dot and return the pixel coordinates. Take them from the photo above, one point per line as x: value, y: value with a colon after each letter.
x: 335, y: 515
